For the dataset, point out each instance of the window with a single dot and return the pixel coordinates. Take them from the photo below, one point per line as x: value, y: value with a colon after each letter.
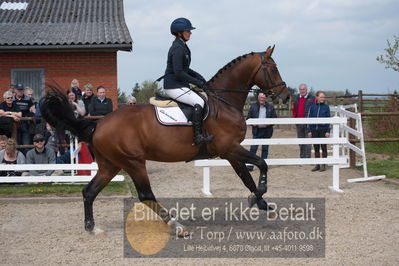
x: 13, y: 6
x: 30, y: 77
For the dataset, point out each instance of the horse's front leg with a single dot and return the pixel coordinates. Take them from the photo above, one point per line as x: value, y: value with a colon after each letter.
x: 256, y: 195
x: 242, y: 155
x: 237, y: 158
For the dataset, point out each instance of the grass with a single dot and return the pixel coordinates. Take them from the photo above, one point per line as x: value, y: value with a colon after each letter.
x: 113, y: 188
x: 389, y: 168
x: 389, y: 148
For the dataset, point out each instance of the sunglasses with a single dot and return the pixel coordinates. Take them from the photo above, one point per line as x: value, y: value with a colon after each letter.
x: 39, y: 140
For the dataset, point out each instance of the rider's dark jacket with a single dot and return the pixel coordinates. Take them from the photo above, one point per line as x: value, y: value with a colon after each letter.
x: 178, y: 73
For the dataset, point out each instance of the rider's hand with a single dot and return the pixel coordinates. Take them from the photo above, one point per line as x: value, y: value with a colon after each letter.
x: 203, y: 85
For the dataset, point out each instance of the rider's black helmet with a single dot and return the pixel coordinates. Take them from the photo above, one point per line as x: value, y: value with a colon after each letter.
x: 180, y: 24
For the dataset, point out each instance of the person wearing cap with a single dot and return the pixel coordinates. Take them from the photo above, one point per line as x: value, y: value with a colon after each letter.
x: 40, y: 155
x: 24, y: 103
x: 179, y: 75
x: 9, y: 112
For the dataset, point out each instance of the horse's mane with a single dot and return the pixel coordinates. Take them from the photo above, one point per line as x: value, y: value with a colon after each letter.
x: 230, y: 64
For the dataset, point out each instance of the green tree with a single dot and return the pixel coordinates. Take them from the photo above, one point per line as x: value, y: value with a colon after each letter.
x: 121, y: 97
x: 390, y: 59
x: 136, y: 88
x: 293, y: 92
x: 146, y: 90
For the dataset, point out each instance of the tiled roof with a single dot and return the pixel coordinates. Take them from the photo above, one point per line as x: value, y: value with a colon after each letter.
x: 63, y: 24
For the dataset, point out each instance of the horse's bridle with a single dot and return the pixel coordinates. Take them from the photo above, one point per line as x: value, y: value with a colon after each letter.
x: 263, y: 65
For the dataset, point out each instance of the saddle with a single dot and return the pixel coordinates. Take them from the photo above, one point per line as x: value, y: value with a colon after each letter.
x: 171, y: 113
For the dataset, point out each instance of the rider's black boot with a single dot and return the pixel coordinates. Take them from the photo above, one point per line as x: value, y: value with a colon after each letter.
x: 197, y: 123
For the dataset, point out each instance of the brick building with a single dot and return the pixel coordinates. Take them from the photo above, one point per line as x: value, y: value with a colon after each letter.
x: 55, y: 41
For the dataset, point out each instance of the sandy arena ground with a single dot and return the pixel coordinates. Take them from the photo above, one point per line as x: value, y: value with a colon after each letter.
x: 362, y: 225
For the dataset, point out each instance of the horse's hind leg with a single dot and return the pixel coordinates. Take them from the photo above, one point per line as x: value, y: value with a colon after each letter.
x: 138, y: 172
x: 106, y: 171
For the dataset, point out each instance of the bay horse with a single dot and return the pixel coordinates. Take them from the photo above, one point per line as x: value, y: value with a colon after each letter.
x: 127, y: 137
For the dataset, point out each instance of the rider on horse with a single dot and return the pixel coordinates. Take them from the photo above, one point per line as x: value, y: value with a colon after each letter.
x: 178, y: 75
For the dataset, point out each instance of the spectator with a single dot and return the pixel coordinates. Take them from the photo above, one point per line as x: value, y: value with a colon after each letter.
x: 87, y: 96
x: 3, y: 141
x: 9, y: 112
x: 100, y: 105
x: 10, y: 155
x: 75, y: 89
x: 300, y: 108
x: 28, y: 92
x: 41, y: 155
x: 77, y: 105
x: 24, y: 103
x: 40, y: 122
x: 52, y: 140
x: 261, y: 109
x: 320, y: 109
x: 131, y: 100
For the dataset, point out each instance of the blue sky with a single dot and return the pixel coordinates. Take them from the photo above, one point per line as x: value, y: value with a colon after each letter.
x: 330, y: 45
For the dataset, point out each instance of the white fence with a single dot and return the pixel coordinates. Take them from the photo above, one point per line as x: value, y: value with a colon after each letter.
x: 59, y: 179
x: 73, y: 167
x: 357, y: 132
x: 338, y: 140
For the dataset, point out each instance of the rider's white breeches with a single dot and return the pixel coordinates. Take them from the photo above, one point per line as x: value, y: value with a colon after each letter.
x: 185, y: 95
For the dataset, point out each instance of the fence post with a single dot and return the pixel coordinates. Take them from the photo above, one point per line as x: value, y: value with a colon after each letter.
x: 360, y: 99
x: 352, y: 154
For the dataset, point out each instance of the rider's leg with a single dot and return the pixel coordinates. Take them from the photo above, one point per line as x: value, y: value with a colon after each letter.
x: 197, y: 123
x: 187, y: 96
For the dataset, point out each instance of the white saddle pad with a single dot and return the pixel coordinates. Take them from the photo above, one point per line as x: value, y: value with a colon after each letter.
x: 171, y: 116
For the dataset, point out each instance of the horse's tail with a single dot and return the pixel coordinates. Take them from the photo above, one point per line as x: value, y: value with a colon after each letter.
x: 57, y: 111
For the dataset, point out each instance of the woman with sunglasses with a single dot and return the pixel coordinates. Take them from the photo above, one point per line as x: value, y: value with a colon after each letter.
x: 9, y: 112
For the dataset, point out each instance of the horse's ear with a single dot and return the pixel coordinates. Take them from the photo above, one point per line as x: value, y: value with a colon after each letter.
x: 272, y: 49
x: 269, y: 51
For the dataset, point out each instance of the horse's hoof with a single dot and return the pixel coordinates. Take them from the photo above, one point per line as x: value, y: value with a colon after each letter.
x: 262, y: 205
x: 252, y: 200
x: 182, y: 232
x: 89, y: 226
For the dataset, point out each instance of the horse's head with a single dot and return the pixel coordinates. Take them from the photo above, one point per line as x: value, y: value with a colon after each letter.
x: 268, y: 79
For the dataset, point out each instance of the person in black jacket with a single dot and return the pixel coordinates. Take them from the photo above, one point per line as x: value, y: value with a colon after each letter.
x: 100, y: 105
x: 88, y: 95
x: 179, y: 75
x: 320, y: 109
x: 261, y: 109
